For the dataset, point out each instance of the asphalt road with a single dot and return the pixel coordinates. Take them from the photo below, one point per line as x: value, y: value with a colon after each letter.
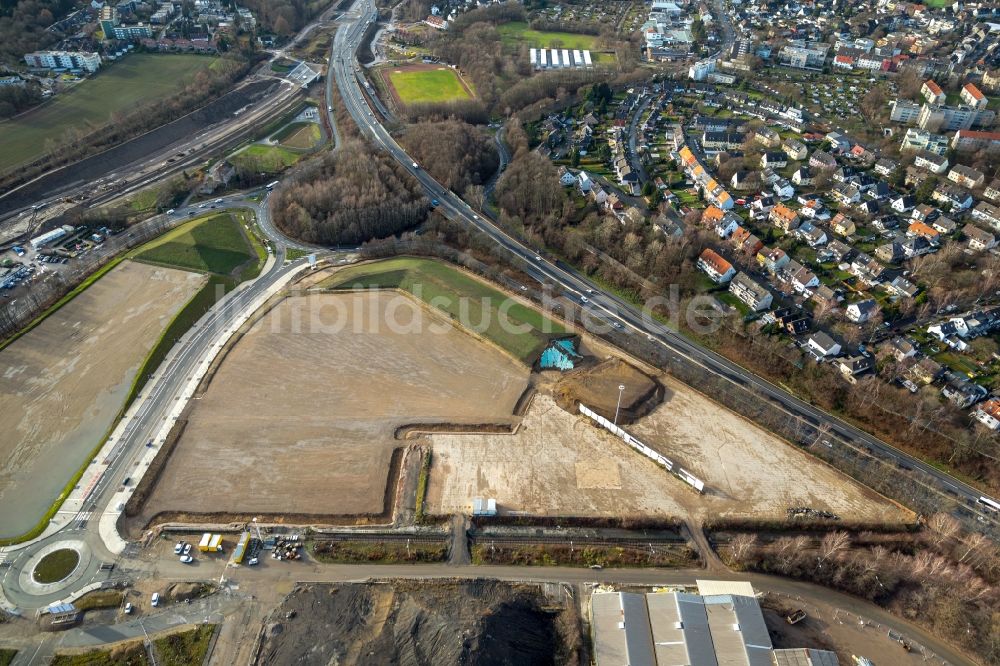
x: 622, y: 315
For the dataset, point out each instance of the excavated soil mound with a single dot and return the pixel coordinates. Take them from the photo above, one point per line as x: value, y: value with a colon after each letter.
x: 411, y: 623
x: 597, y: 388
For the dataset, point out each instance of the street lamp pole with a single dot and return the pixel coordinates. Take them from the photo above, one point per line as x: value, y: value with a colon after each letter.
x: 621, y: 389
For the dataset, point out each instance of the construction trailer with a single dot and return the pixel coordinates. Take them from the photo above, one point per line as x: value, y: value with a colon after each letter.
x: 215, y: 545
x: 206, y: 539
x: 241, y: 548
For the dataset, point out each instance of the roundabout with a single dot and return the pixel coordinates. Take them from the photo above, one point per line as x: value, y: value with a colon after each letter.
x: 55, y: 567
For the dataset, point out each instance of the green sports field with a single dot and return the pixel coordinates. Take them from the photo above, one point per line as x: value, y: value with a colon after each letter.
x: 517, y: 32
x: 427, y: 85
x: 139, y: 78
x: 213, y: 244
x: 456, y: 293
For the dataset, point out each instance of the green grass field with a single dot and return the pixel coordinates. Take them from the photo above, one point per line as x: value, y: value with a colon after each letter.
x: 427, y: 85
x: 301, y: 136
x: 210, y: 245
x: 517, y: 32
x: 268, y: 159
x: 447, y: 288
x: 139, y: 78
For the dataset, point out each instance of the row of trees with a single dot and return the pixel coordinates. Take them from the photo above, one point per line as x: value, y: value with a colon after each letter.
x: 944, y: 580
x: 284, y: 17
x: 15, y: 99
x: 349, y: 196
x: 455, y: 153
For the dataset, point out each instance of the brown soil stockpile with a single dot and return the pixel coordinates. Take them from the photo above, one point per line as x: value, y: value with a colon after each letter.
x: 597, y: 388
x: 414, y: 623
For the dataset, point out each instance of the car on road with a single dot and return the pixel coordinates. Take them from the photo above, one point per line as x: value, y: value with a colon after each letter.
x: 128, y: 608
x: 179, y: 548
x: 187, y: 548
x: 596, y: 567
x: 415, y: 165
x: 435, y: 203
x: 155, y: 599
x: 537, y: 258
x: 617, y: 325
x: 186, y: 559
x: 584, y: 299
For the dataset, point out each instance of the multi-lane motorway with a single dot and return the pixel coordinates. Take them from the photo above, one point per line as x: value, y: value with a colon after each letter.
x: 617, y: 311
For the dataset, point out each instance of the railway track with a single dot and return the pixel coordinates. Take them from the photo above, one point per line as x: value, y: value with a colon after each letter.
x: 379, y: 537
x: 633, y: 543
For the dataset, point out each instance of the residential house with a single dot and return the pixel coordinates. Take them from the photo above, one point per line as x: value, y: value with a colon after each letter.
x: 987, y: 213
x: 762, y: 207
x: 927, y: 370
x: 567, y: 179
x: 852, y: 366
x: 742, y: 180
x: 773, y: 160
x: 783, y: 189
x: 902, y: 348
x: 867, y: 207
x: 845, y: 174
x: 598, y: 194
x: 801, y: 278
x: 712, y: 215
x: 839, y: 251
x: 886, y: 223
x: 956, y: 197
x: 784, y: 218
x: 891, y: 252
x: 944, y: 225
x: 754, y: 295
x: 811, y: 234
x: 885, y: 166
x: 584, y: 182
x: 924, y: 231
x: 792, y: 320
x: 903, y: 203
x: 966, y: 176
x: 821, y: 345
x: 992, y: 191
x: 861, y: 311
x: 925, y: 213
x: 802, y: 176
x: 795, y: 149
x: 846, y: 193
x: 917, y: 246
x: 979, y: 240
x: 746, y: 242
x: 932, y: 92
x: 772, y: 259
x: 972, y: 96
x: 903, y: 288
x: 843, y: 225
x: 988, y: 413
x: 822, y: 160
x: 767, y: 137
x: 715, y: 266
x: 962, y: 392
x: 931, y: 162
x: 914, y: 176
x: 866, y: 269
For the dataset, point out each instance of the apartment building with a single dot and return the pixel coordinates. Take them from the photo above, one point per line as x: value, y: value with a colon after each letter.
x: 754, y: 295
x: 64, y: 60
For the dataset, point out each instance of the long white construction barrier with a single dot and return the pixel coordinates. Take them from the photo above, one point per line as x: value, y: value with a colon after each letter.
x: 681, y: 473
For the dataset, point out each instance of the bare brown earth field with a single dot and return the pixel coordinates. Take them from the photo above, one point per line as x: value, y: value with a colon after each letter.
x: 302, y: 421
x: 578, y: 469
x: 64, y: 381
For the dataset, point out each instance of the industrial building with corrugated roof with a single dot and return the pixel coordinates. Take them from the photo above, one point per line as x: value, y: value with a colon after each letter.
x: 679, y: 628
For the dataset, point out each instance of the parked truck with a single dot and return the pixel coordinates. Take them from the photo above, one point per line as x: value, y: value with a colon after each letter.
x: 241, y: 548
x: 206, y: 539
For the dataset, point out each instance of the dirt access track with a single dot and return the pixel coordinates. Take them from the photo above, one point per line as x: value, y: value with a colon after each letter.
x: 578, y: 468
x: 300, y: 416
x: 64, y: 381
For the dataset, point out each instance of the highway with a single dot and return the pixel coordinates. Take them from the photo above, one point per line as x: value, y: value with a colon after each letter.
x: 621, y: 314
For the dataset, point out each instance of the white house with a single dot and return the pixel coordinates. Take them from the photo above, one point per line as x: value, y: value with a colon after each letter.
x: 821, y: 345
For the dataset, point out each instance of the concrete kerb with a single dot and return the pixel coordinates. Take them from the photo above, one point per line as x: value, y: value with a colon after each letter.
x: 108, y: 523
